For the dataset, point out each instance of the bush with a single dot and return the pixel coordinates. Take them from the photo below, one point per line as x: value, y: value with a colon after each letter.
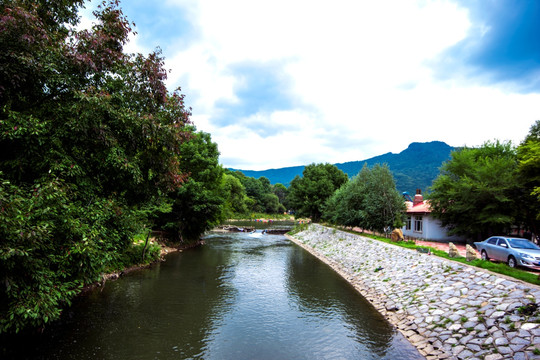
x: 52, y: 245
x: 133, y: 255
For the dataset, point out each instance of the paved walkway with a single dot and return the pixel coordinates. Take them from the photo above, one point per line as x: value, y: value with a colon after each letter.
x: 446, y: 309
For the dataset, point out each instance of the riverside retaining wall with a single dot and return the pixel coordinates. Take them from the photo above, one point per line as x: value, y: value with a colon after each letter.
x: 446, y: 309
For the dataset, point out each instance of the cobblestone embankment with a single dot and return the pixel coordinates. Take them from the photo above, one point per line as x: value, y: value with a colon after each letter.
x: 446, y: 309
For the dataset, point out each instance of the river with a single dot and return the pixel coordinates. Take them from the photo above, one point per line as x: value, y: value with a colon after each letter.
x: 240, y: 296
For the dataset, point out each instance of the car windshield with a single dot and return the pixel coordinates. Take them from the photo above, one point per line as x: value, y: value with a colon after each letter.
x: 522, y: 244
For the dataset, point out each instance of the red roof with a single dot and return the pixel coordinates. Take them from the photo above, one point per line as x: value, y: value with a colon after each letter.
x: 420, y: 207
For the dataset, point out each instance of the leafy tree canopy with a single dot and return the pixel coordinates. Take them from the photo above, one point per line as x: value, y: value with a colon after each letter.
x: 474, y: 194
x: 369, y: 200
x: 197, y: 205
x: 307, y: 194
x: 235, y: 195
x: 281, y: 192
x: 88, y: 135
x: 259, y: 195
x: 528, y: 153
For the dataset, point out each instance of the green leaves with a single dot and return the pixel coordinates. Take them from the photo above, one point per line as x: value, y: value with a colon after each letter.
x: 475, y: 194
x: 198, y: 205
x: 528, y: 154
x: 369, y: 200
x: 88, y: 136
x: 308, y: 194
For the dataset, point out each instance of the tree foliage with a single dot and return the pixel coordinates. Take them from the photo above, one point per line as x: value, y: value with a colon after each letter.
x: 88, y: 135
x: 369, y: 200
x: 280, y: 191
x: 259, y: 195
x: 528, y: 153
x: 235, y: 195
x: 197, y: 205
x: 308, y: 194
x: 474, y: 195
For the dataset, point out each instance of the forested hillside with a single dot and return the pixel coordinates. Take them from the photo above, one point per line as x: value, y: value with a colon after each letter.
x: 414, y: 167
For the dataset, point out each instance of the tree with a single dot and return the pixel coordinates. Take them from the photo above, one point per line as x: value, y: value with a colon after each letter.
x: 473, y: 195
x: 308, y: 194
x: 197, y: 205
x: 528, y: 153
x: 281, y: 192
x: 384, y: 206
x: 88, y: 135
x: 271, y: 204
x: 260, y: 196
x: 265, y: 184
x: 369, y: 200
x: 337, y: 209
x: 235, y: 195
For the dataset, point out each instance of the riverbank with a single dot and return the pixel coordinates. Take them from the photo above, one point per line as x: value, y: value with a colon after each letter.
x: 446, y: 309
x: 165, y: 249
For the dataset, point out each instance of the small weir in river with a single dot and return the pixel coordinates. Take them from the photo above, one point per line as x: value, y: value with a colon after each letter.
x: 240, y: 296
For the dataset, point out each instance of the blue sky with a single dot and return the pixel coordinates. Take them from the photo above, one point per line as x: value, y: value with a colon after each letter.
x: 283, y: 83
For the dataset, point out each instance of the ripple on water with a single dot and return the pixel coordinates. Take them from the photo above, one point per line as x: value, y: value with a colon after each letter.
x: 241, y: 296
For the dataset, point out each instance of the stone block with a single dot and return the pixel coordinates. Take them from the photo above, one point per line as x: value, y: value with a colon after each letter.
x: 465, y: 354
x: 493, y: 357
x: 520, y: 341
x: 470, y: 253
x: 397, y: 235
x: 529, y: 326
x: 505, y: 350
x: 452, y: 250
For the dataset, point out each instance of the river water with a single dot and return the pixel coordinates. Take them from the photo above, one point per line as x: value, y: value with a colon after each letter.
x: 240, y: 296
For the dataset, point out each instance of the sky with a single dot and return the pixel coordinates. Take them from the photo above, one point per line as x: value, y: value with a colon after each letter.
x: 291, y: 82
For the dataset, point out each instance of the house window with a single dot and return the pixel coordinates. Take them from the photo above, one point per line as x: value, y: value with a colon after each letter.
x: 408, y: 223
x: 418, y: 224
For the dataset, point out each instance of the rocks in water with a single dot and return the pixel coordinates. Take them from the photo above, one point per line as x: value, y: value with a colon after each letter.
x: 238, y: 229
x: 276, y: 231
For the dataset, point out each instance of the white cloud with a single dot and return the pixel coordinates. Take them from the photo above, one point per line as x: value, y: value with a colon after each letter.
x: 357, y: 70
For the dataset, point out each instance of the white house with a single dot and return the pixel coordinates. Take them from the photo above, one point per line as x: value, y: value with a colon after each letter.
x: 420, y: 224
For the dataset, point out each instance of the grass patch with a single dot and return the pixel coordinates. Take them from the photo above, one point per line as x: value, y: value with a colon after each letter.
x: 133, y: 255
x: 298, y: 228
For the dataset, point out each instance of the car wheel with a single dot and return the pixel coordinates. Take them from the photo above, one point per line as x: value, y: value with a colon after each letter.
x: 484, y: 255
x: 512, y: 262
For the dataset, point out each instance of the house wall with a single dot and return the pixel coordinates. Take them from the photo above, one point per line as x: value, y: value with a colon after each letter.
x: 431, y: 230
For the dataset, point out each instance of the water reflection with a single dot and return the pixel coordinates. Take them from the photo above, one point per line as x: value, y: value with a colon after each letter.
x: 241, y: 296
x: 325, y: 298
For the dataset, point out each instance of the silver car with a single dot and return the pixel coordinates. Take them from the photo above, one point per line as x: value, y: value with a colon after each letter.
x: 513, y: 251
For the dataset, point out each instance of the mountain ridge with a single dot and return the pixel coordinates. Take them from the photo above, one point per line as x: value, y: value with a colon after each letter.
x: 413, y: 168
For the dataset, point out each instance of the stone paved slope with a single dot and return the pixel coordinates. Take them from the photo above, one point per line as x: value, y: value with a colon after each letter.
x: 446, y: 309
